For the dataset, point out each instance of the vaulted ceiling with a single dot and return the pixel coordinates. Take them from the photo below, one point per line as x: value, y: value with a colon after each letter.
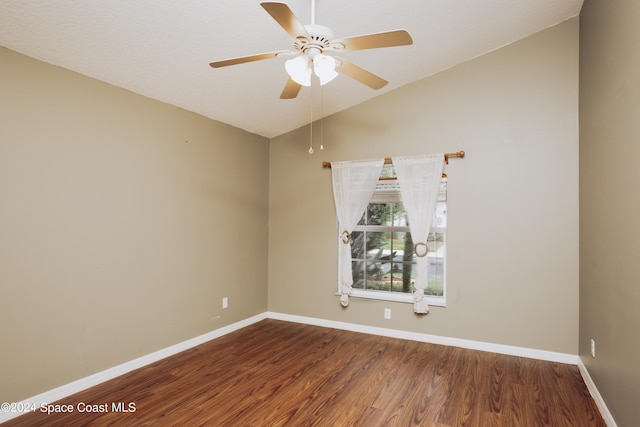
x: 162, y: 48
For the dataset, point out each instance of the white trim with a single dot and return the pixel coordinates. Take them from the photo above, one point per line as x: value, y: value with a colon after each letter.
x: 551, y: 356
x: 395, y: 297
x: 595, y: 393
x: 108, y: 374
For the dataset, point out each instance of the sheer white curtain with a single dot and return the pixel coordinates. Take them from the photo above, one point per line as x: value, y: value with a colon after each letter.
x: 419, y: 180
x: 353, y: 186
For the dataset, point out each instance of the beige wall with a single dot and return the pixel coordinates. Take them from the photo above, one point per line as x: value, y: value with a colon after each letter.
x: 123, y: 222
x: 513, y: 201
x: 610, y: 202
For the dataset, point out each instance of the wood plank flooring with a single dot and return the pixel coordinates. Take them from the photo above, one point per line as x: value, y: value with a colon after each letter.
x: 276, y: 373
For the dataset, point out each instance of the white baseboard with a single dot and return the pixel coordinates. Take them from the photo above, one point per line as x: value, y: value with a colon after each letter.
x: 551, y: 356
x: 102, y: 376
x: 595, y: 393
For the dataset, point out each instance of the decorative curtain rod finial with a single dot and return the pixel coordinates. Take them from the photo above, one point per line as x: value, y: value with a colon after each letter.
x: 456, y: 154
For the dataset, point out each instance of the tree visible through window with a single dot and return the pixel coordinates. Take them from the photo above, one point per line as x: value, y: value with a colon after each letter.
x: 382, y: 250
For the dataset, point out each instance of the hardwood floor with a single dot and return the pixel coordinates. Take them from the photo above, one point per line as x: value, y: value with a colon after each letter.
x: 276, y: 373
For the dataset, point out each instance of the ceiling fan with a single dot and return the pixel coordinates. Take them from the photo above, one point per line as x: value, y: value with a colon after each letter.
x: 311, y: 43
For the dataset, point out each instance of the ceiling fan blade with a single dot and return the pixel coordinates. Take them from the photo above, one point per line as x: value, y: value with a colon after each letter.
x: 290, y: 90
x: 285, y: 17
x: 360, y: 74
x: 372, y: 41
x: 251, y: 58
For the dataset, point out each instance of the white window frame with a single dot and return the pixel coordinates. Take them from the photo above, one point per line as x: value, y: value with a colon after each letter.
x: 389, y: 192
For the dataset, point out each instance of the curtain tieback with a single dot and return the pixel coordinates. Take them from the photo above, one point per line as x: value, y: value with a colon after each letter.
x: 346, y: 237
x: 420, y: 254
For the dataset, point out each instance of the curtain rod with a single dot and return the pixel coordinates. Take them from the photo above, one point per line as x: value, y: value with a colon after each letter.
x: 388, y: 159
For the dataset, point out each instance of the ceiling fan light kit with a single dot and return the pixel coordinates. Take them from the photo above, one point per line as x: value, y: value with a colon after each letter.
x: 324, y: 66
x: 299, y: 68
x: 311, y: 43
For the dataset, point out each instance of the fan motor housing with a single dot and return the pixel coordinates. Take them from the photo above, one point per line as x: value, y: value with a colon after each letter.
x: 319, y: 38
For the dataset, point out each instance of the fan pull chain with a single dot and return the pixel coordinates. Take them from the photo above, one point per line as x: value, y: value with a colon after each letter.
x: 311, y: 123
x: 321, y: 118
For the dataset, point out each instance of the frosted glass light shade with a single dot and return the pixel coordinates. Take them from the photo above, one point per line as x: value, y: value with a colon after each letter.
x: 325, y: 68
x: 299, y: 70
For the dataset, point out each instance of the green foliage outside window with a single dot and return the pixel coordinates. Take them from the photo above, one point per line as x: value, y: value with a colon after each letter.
x: 383, y: 254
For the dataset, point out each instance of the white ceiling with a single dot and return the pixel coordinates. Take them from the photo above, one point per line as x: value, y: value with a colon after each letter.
x: 162, y: 48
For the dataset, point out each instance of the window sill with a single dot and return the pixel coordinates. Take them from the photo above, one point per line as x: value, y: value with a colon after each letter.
x: 395, y: 297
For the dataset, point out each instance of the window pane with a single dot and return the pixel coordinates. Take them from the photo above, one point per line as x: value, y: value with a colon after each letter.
x: 402, y: 247
x: 399, y: 214
x: 388, y: 171
x: 436, y: 256
x: 357, y: 245
x: 378, y: 245
x: 404, y: 275
x: 435, y: 242
x: 379, y: 214
x: 385, y: 261
x: 378, y: 276
x: 357, y: 268
x: 440, y: 216
x: 436, y: 279
x: 403, y: 271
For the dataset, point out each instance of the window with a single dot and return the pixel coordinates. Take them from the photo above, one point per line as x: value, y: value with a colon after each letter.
x: 382, y: 250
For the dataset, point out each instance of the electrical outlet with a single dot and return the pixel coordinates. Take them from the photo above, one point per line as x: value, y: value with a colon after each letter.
x: 593, y: 348
x: 387, y: 313
x: 225, y: 302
